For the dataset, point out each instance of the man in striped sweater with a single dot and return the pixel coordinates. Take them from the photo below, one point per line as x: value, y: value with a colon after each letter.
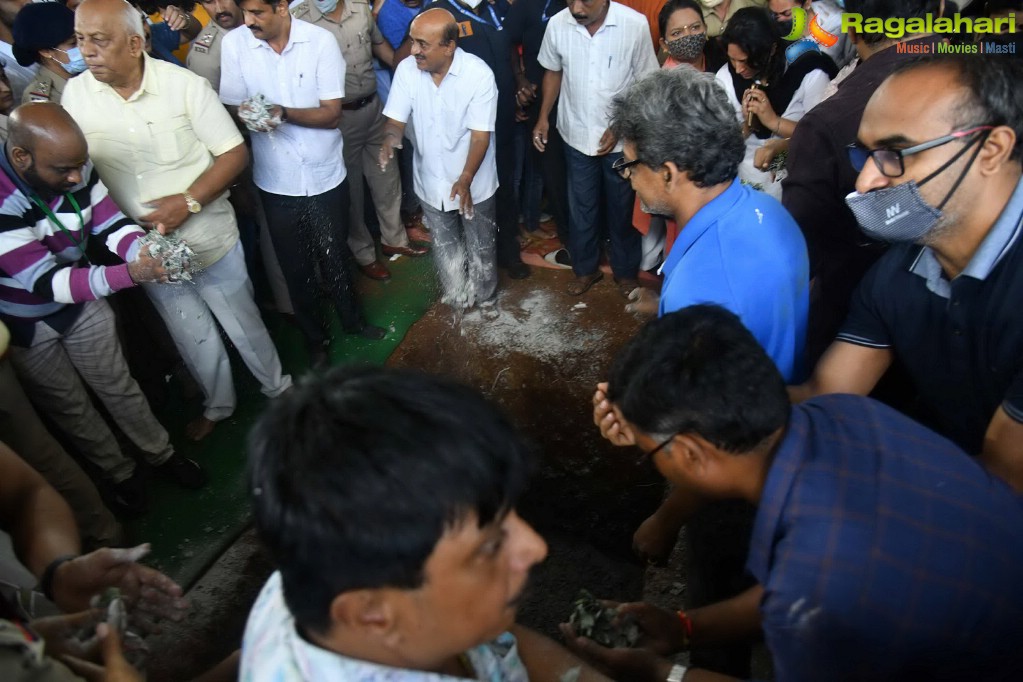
x: 52, y: 204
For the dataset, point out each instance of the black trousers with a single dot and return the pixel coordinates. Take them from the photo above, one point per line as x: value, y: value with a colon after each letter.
x: 508, y: 251
x: 552, y: 166
x: 310, y: 231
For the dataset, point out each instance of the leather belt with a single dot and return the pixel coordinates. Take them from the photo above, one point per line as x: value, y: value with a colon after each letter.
x: 359, y: 103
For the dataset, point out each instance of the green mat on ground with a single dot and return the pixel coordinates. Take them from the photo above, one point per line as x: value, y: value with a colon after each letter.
x: 190, y: 529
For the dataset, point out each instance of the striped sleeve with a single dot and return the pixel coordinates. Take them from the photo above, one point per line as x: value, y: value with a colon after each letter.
x: 116, y: 231
x: 45, y: 264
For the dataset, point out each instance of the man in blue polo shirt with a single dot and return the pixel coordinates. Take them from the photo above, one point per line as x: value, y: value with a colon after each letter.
x: 941, y: 178
x: 738, y: 248
x: 880, y: 550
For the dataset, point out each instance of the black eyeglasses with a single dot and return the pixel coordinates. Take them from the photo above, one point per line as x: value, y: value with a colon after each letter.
x: 890, y: 161
x: 621, y: 166
x: 650, y: 455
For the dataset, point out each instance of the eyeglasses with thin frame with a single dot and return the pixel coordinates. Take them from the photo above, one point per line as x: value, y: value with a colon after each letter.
x: 891, y: 161
x: 650, y: 455
x: 621, y: 166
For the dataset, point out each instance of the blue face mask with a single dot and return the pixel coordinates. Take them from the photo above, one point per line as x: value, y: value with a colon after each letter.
x: 325, y: 6
x: 75, y: 62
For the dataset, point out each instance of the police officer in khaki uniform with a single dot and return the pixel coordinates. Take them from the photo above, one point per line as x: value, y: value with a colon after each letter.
x: 204, y: 56
x: 44, y: 34
x: 362, y: 127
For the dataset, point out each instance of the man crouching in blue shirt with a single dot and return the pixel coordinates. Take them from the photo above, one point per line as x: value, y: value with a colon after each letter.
x: 387, y: 500
x: 882, y: 551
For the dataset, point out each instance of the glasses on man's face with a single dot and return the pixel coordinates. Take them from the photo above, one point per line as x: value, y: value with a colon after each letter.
x: 891, y: 161
x: 650, y: 455
x: 622, y: 167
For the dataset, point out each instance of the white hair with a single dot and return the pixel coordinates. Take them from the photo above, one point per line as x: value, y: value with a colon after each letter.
x: 132, y: 17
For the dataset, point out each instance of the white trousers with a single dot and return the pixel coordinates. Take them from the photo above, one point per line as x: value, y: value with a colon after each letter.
x: 222, y: 291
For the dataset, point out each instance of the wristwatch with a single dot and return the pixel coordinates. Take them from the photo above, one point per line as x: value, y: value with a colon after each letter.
x: 193, y: 205
x: 678, y: 672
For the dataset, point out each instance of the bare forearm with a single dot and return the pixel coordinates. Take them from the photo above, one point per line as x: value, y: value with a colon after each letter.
x: 323, y: 116
x: 403, y: 51
x: 385, y: 53
x: 225, y: 170
x: 550, y: 89
x: 477, y: 150
x: 729, y: 620
x: 38, y: 519
x: 545, y: 659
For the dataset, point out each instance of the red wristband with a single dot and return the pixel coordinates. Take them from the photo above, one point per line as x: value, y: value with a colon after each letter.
x: 687, y: 625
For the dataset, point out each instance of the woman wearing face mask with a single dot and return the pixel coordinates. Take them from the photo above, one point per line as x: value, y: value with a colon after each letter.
x: 44, y: 34
x: 769, y: 94
x: 684, y: 37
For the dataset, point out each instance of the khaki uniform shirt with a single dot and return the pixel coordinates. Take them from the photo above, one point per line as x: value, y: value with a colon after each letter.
x: 715, y: 26
x: 157, y: 143
x: 3, y: 128
x: 356, y: 34
x: 204, y: 57
x: 47, y: 87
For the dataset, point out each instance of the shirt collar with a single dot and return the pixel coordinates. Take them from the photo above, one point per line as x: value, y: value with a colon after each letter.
x: 1000, y: 238
x: 701, y: 222
x: 457, y: 61
x: 786, y: 462
x: 614, y: 14
x: 149, y: 84
x: 298, y: 34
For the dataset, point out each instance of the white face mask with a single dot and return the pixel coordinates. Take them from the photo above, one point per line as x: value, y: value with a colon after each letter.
x: 711, y: 4
x: 472, y: 3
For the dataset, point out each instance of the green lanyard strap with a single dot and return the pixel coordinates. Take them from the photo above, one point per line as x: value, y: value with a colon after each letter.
x: 59, y: 225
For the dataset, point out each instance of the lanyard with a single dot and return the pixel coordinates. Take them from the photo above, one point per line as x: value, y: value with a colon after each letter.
x: 59, y: 225
x: 543, y: 17
x: 493, y: 14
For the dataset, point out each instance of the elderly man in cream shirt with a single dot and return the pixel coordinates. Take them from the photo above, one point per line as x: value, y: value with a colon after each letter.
x: 168, y: 150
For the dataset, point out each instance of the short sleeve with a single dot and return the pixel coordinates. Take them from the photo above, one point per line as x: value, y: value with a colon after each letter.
x: 399, y: 99
x: 1013, y: 402
x: 482, y: 112
x: 808, y: 95
x: 330, y: 70
x: 210, y: 120
x: 866, y: 325
x: 232, y: 85
x: 644, y: 60
x: 549, y: 57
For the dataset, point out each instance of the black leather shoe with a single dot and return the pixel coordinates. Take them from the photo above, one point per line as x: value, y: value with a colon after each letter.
x: 518, y: 270
x: 183, y: 471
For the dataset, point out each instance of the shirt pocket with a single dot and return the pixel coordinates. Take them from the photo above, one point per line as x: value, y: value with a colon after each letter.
x: 454, y: 126
x: 171, y: 138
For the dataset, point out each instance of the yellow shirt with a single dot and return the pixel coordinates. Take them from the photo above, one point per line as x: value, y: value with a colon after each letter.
x: 715, y: 26
x: 157, y: 143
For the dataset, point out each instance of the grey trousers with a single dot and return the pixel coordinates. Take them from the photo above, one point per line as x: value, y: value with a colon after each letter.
x: 23, y: 431
x: 363, y: 132
x: 49, y: 372
x: 465, y: 253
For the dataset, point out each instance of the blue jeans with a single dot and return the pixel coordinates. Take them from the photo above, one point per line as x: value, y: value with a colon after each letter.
x: 589, y: 179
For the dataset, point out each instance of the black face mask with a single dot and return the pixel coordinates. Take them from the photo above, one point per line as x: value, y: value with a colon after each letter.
x: 784, y: 27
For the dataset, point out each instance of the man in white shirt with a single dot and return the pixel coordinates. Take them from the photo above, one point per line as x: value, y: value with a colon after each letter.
x: 454, y: 97
x: 298, y: 164
x: 168, y: 151
x: 592, y: 50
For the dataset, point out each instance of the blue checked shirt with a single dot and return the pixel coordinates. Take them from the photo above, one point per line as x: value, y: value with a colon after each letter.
x: 886, y: 552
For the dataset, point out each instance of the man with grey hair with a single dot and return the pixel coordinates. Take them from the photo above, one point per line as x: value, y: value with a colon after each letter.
x: 168, y: 151
x: 738, y: 248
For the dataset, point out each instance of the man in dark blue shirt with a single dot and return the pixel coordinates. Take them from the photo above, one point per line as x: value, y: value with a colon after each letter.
x: 941, y: 143
x: 881, y: 550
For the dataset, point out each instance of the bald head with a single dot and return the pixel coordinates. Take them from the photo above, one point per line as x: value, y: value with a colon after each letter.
x: 434, y: 36
x: 112, y: 12
x: 46, y: 147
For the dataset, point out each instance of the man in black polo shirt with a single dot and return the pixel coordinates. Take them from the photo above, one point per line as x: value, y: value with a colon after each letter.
x: 819, y: 175
x: 480, y: 32
x: 940, y: 150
